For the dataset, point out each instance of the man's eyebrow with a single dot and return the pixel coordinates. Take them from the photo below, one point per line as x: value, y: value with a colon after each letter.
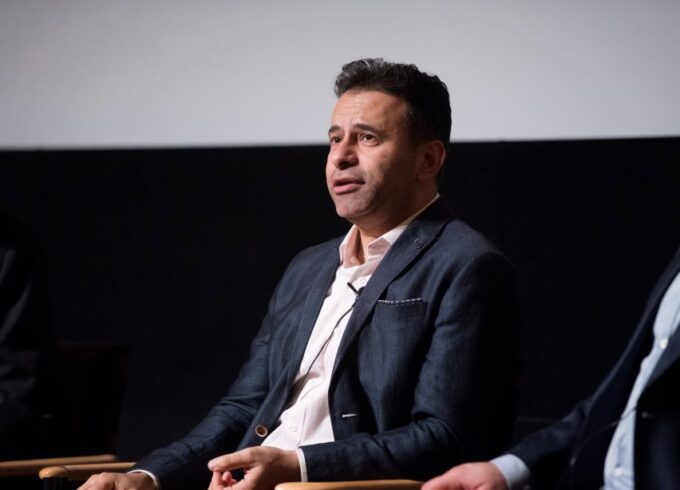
x: 361, y: 126
x: 367, y: 127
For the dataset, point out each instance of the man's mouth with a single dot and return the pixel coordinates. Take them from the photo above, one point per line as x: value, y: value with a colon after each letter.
x: 346, y: 185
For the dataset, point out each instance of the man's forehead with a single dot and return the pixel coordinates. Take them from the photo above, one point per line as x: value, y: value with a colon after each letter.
x: 367, y: 107
x: 369, y: 99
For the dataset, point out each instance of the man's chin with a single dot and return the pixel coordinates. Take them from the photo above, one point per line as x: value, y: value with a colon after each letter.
x: 349, y: 214
x: 352, y: 211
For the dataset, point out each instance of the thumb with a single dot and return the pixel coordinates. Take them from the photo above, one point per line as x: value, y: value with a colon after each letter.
x: 233, y: 461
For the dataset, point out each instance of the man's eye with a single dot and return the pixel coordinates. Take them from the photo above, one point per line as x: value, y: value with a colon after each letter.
x: 334, y: 139
x: 368, y: 138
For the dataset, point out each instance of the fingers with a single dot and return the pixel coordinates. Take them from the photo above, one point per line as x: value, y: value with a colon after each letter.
x: 225, y: 481
x: 240, y: 459
x: 469, y: 476
x: 443, y: 482
x: 251, y: 481
x: 228, y: 479
x: 118, y: 481
x: 98, y: 482
x: 264, y: 468
x: 221, y: 480
x: 216, y: 481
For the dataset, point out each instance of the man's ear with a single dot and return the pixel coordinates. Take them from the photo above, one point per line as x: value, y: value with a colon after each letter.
x: 432, y: 156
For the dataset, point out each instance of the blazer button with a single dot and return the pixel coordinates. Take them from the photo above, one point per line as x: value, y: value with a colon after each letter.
x: 261, y: 431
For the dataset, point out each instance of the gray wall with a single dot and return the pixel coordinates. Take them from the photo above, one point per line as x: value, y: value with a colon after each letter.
x: 155, y: 73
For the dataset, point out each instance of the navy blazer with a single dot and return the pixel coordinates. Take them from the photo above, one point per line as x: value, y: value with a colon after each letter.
x: 427, y: 363
x: 585, y: 434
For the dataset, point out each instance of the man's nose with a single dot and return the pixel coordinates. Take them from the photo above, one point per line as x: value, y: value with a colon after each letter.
x: 343, y: 155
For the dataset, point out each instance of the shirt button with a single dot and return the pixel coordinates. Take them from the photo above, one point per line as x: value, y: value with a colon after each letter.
x: 261, y: 431
x: 294, y: 427
x: 663, y: 343
x: 618, y: 471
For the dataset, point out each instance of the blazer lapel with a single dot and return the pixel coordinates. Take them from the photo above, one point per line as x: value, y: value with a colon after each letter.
x: 317, y: 293
x: 660, y: 288
x: 416, y: 238
x: 672, y: 352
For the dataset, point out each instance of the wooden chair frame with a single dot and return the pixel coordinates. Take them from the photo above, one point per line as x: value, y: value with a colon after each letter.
x: 55, y: 477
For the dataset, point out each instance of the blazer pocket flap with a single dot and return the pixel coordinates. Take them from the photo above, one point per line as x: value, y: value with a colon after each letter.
x: 401, y: 308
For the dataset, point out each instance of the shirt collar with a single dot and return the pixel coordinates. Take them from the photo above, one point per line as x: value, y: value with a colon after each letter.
x: 378, y: 247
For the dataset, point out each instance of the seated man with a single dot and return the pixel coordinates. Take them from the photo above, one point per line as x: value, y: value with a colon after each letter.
x: 625, y: 436
x: 386, y: 353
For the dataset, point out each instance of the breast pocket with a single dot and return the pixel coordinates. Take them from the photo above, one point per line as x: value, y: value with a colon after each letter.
x: 399, y: 309
x: 392, y: 349
x: 395, y: 321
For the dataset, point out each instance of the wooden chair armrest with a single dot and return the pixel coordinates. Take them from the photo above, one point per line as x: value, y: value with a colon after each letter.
x: 80, y: 472
x: 28, y: 467
x: 352, y: 485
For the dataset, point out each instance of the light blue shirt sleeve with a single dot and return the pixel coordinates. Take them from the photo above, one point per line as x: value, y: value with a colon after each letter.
x: 514, y: 470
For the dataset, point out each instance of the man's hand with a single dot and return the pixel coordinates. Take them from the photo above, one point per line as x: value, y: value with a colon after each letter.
x: 119, y: 481
x: 470, y: 476
x: 264, y: 467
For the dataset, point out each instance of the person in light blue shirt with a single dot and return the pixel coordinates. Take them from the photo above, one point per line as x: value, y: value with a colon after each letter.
x: 625, y: 436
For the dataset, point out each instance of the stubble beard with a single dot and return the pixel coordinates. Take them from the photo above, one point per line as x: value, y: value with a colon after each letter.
x: 354, y: 205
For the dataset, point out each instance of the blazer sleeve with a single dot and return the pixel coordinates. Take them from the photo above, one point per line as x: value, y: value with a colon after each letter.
x: 546, y: 452
x: 465, y: 399
x: 183, y: 464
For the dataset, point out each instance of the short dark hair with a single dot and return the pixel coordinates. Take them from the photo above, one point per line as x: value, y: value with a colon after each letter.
x: 426, y: 96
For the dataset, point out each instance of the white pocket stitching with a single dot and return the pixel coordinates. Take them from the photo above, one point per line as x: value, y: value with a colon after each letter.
x: 400, y: 302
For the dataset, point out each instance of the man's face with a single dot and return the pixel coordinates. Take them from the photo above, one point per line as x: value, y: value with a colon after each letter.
x: 372, y: 165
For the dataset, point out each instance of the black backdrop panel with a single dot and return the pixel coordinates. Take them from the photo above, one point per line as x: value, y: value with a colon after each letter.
x: 175, y: 252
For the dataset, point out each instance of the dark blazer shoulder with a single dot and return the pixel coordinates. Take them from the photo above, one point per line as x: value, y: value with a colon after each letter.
x: 309, y: 266
x: 453, y: 240
x: 453, y: 230
x: 468, y: 241
x: 315, y: 253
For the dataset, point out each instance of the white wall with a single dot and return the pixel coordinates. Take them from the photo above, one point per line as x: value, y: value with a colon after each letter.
x: 149, y: 73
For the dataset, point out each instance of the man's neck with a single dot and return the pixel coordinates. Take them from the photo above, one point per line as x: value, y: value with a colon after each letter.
x: 365, y: 236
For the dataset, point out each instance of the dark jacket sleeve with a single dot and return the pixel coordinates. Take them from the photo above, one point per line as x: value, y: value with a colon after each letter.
x: 547, y: 452
x: 183, y: 464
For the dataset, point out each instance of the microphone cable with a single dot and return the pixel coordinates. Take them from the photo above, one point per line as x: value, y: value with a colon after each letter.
x: 357, y: 293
